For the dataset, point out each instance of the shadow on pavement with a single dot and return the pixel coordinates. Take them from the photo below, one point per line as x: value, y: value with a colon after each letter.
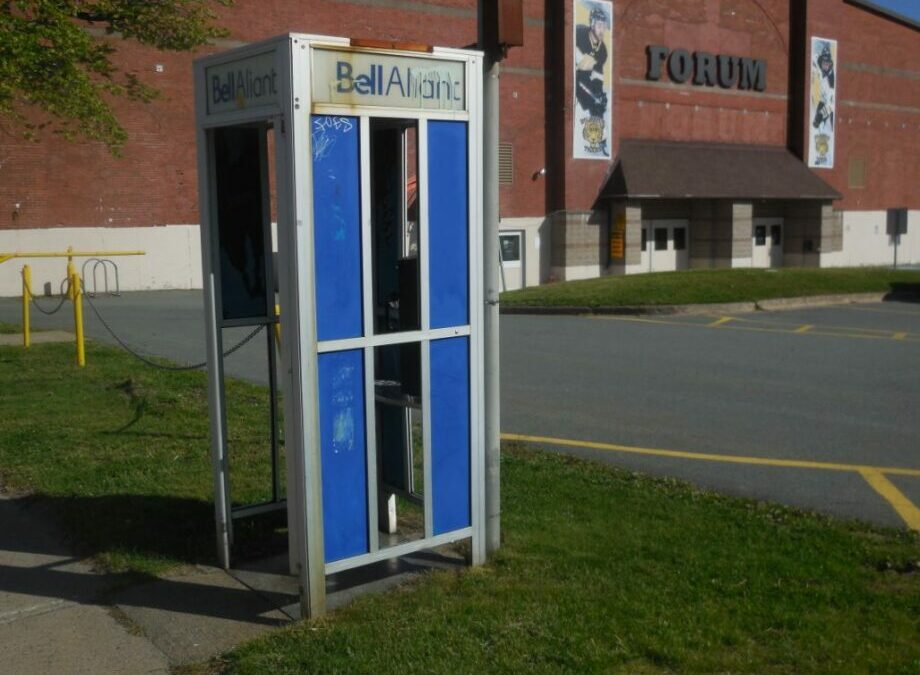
x: 903, y: 291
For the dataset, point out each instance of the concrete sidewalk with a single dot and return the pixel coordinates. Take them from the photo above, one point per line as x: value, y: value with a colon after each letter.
x: 58, y: 615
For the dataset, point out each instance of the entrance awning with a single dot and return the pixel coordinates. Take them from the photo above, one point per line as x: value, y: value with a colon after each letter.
x: 675, y: 170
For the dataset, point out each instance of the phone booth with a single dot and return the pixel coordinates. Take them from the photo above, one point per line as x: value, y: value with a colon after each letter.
x: 367, y: 158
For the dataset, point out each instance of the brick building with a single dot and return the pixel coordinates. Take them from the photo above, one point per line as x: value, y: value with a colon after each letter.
x: 710, y: 107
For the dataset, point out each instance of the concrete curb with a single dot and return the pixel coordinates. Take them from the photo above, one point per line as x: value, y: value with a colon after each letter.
x: 774, y: 304
x: 38, y: 337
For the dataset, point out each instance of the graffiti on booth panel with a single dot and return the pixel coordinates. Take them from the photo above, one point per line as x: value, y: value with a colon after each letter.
x: 593, y: 23
x: 323, y: 141
x: 823, y: 97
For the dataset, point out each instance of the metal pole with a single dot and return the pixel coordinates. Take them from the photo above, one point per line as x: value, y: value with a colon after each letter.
x: 26, y: 297
x: 273, y: 413
x: 897, y: 238
x: 78, y: 317
x: 491, y: 271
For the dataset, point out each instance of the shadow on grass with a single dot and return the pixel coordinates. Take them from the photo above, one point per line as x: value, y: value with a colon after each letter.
x: 37, y: 561
x: 903, y: 291
x: 149, y: 532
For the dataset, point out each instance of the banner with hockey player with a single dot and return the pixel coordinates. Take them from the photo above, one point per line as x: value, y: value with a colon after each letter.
x: 823, y: 96
x: 593, y: 23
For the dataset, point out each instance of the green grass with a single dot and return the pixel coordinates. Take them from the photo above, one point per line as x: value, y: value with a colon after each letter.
x: 601, y: 570
x: 708, y: 286
x: 607, y: 571
x: 9, y: 328
x: 121, y: 452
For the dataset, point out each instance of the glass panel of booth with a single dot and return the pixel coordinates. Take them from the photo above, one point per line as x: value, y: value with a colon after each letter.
x: 240, y: 161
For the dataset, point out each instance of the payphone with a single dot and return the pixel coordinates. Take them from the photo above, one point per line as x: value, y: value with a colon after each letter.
x: 379, y: 239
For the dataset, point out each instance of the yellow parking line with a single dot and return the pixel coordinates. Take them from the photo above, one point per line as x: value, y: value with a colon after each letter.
x: 739, y: 323
x: 874, y: 475
x: 905, y: 508
x: 881, y: 332
x: 712, y: 457
x: 900, y: 335
x: 720, y: 321
x: 876, y: 309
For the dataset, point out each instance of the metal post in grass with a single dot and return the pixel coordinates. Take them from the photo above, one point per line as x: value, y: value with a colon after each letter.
x: 26, y: 298
x: 78, y: 316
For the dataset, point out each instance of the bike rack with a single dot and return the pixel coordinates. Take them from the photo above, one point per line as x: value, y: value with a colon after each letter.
x: 104, y: 263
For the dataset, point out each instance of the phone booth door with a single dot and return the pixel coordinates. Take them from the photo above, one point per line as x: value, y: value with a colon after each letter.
x: 392, y: 262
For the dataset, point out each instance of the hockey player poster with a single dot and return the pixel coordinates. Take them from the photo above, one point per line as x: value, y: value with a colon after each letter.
x: 593, y: 21
x: 823, y: 95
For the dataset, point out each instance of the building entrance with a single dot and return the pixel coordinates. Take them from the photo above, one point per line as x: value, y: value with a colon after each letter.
x: 767, y: 243
x: 664, y: 245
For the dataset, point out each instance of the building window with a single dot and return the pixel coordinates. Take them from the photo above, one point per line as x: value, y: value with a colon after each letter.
x: 680, y: 238
x: 644, y: 239
x: 760, y: 235
x: 776, y: 234
x: 661, y: 239
x: 857, y: 172
x: 510, y: 246
x: 505, y: 164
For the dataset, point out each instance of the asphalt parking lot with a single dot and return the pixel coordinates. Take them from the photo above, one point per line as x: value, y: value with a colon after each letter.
x: 798, y: 406
x: 815, y: 408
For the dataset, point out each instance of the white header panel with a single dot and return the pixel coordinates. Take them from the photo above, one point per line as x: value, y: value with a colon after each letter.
x: 250, y: 82
x: 387, y: 80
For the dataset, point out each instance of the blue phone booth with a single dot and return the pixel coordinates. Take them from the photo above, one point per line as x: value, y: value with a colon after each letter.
x: 377, y: 175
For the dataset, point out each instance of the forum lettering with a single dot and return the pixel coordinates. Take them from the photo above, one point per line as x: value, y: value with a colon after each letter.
x: 705, y: 69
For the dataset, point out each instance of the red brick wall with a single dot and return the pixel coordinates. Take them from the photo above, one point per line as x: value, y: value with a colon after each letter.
x: 878, y: 108
x: 524, y: 88
x: 668, y: 111
x: 878, y: 104
x: 154, y: 182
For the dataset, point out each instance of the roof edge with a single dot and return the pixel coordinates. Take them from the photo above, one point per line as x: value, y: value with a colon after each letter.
x: 885, y: 13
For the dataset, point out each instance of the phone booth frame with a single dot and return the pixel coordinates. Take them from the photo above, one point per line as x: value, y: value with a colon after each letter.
x: 280, y: 87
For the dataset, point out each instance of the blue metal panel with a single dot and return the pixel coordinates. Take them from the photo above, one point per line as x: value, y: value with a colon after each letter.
x: 448, y: 224
x: 337, y: 226
x: 343, y: 453
x: 450, y: 433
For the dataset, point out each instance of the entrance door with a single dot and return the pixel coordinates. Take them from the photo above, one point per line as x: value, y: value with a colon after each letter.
x: 664, y: 245
x: 511, y: 245
x: 767, y: 243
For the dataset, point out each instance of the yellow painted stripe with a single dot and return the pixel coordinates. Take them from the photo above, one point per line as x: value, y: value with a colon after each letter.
x: 710, y: 457
x: 884, y: 332
x: 734, y: 325
x: 803, y: 329
x: 876, y: 309
x: 720, y: 321
x: 900, y: 335
x: 905, y: 508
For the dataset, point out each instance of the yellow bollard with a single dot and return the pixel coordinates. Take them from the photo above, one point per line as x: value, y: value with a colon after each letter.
x: 26, y: 298
x: 71, y: 271
x: 78, y: 317
x: 277, y: 326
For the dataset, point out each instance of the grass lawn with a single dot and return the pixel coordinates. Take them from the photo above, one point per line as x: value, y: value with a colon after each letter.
x: 707, y: 286
x: 601, y: 569
x: 121, y: 451
x: 9, y: 328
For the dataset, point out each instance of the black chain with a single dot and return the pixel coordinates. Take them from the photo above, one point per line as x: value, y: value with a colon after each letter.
x: 59, y: 305
x: 161, y: 366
